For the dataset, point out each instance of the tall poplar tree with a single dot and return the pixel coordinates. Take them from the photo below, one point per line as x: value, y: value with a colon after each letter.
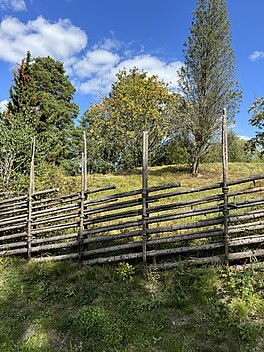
x: 207, y: 80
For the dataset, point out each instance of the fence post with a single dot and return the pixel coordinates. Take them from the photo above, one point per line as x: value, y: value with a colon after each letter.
x: 225, y: 181
x: 145, y: 196
x: 81, y: 227
x: 85, y: 161
x: 30, y: 199
x: 83, y: 196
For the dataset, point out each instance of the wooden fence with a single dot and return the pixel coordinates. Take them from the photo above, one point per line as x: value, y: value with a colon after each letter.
x: 159, y: 226
x: 156, y: 225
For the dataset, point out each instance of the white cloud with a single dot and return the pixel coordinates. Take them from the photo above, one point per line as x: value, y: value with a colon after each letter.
x: 108, y: 44
x: 96, y: 70
x: 95, y: 85
x: 61, y: 39
x: 90, y: 72
x: 15, y: 5
x: 18, y: 5
x: 100, y: 75
x: 3, y: 105
x: 154, y: 66
x: 256, y: 55
x: 246, y: 138
x: 97, y: 62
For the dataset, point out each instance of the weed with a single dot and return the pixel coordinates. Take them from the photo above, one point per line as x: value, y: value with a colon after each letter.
x: 240, y: 283
x: 65, y: 323
x: 75, y: 347
x: 98, y: 324
x: 249, y: 332
x: 125, y: 271
x: 70, y: 291
x: 153, y: 276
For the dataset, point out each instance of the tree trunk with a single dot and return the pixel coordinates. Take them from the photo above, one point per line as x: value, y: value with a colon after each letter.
x: 195, y: 166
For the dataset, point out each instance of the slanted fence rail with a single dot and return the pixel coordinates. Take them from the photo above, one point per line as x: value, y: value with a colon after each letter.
x: 158, y: 226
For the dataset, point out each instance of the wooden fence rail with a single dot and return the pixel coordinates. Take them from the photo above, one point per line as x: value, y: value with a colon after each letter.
x: 113, y: 227
x: 159, y: 225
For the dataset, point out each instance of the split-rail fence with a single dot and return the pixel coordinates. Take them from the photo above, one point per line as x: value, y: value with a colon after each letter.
x: 159, y: 226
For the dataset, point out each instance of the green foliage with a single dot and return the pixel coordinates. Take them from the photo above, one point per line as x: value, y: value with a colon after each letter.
x: 42, y: 93
x: 246, y: 288
x: 41, y: 98
x: 207, y: 79
x: 257, y: 120
x: 98, y: 324
x: 240, y: 283
x: 238, y: 151
x: 115, y: 126
x: 40, y: 105
x: 15, y: 153
x: 173, y: 151
x: 125, y: 271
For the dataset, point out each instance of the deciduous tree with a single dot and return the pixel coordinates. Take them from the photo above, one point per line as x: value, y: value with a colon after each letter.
x: 15, y: 151
x: 257, y: 120
x: 136, y: 102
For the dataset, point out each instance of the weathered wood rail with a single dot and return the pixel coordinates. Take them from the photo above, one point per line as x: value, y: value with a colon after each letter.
x: 158, y: 226
x: 155, y: 225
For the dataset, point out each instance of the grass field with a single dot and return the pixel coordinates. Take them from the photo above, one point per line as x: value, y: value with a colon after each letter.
x: 209, y: 173
x: 57, y: 307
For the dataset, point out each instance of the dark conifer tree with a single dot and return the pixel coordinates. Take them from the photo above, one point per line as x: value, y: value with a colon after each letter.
x: 41, y: 97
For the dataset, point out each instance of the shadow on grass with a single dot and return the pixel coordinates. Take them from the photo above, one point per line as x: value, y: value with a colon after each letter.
x: 59, y: 307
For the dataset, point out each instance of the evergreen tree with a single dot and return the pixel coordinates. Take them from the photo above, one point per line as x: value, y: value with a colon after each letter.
x: 207, y: 79
x: 42, y: 96
x: 20, y: 92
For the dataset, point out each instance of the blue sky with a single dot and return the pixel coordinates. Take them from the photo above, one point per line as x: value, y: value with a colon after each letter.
x: 96, y: 38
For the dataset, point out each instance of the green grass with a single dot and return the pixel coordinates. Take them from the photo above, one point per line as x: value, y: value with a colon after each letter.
x: 209, y: 173
x: 60, y: 307
x: 56, y: 307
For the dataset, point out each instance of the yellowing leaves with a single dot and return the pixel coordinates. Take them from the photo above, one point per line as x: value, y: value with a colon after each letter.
x: 136, y: 103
